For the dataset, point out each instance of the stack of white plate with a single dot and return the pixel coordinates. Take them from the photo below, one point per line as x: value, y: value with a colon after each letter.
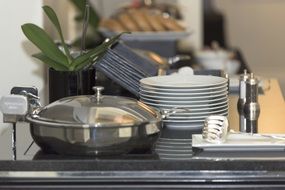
x: 188, y: 99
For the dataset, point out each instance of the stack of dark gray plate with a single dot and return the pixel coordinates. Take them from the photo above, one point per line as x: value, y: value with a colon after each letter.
x: 174, y: 148
x: 126, y: 67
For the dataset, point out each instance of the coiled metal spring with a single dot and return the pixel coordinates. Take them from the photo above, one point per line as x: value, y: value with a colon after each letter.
x: 215, y: 129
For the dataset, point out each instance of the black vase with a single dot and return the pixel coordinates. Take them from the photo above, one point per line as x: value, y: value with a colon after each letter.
x: 66, y: 83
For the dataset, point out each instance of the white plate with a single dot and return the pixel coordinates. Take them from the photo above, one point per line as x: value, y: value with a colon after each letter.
x: 188, y: 114
x: 204, y: 106
x: 184, y: 81
x: 187, y: 93
x: 183, y: 126
x: 199, y: 116
x: 191, y: 102
x: 185, y: 98
x: 240, y: 142
x: 183, y: 90
x: 201, y: 121
x: 187, y: 120
x: 196, y: 110
x: 186, y: 104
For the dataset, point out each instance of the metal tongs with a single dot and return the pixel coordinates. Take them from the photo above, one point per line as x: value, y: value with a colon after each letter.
x: 216, y: 127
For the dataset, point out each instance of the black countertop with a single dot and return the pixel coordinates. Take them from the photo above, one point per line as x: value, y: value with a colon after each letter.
x: 263, y: 170
x: 137, y: 174
x: 143, y: 165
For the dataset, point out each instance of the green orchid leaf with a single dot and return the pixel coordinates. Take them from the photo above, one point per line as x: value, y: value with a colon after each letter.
x: 80, y: 60
x: 98, y: 51
x: 88, y: 62
x: 51, y: 63
x: 53, y: 18
x: 39, y: 38
x: 83, y: 65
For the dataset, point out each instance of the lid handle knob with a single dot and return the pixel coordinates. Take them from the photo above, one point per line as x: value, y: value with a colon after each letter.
x: 98, y: 90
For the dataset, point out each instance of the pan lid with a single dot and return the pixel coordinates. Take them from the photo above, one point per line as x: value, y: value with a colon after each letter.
x: 95, y: 111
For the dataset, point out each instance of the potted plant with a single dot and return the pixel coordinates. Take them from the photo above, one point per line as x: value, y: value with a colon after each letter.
x: 65, y: 69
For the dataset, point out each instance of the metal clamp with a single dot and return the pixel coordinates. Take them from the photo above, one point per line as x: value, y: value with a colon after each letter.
x: 16, y: 106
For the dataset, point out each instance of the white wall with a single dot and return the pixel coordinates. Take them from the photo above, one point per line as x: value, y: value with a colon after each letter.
x: 258, y: 28
x: 66, y: 13
x: 17, y: 66
x: 192, y: 14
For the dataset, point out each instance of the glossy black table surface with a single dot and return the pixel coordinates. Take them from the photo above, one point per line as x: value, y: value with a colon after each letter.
x: 238, y: 170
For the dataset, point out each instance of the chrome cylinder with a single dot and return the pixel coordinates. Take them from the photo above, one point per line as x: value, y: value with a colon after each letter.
x: 251, y: 106
x: 242, y: 100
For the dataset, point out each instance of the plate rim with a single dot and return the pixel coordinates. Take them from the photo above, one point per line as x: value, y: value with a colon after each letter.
x: 186, y: 102
x: 186, y: 97
x: 193, y: 107
x: 186, y: 90
x: 172, y: 77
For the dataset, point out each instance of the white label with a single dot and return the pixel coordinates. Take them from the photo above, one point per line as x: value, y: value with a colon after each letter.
x: 152, y: 129
x: 14, y: 105
x: 125, y: 132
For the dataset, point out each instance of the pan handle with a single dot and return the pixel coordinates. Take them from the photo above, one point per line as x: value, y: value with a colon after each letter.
x: 166, y: 113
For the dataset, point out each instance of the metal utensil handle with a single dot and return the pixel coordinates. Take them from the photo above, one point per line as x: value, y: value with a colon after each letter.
x: 85, y: 26
x: 167, y: 113
x: 175, y: 59
x: 14, y: 145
